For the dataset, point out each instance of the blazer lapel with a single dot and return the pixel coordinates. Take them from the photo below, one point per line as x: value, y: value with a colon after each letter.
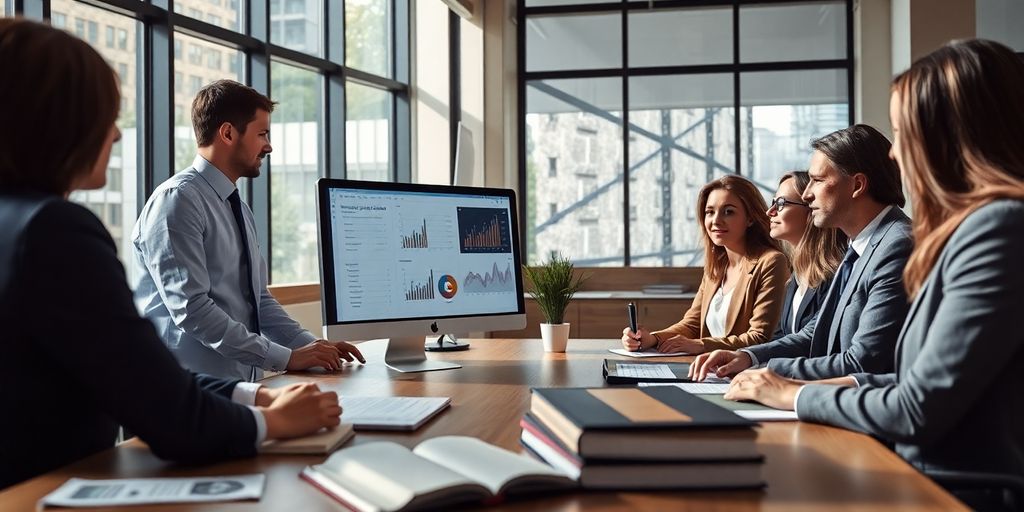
x: 739, y: 296
x: 710, y: 288
x: 914, y: 307
x: 788, y: 305
x: 858, y: 271
x: 801, y: 309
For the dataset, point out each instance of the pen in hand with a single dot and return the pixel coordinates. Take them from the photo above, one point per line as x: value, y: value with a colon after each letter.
x: 631, y: 309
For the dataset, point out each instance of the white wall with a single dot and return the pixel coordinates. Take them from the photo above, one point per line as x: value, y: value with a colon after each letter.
x: 308, y: 315
x: 430, y: 91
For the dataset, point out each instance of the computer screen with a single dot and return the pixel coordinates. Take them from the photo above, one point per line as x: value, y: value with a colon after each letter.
x: 405, y: 259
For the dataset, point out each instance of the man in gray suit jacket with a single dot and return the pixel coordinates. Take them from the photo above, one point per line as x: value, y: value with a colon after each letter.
x: 855, y: 187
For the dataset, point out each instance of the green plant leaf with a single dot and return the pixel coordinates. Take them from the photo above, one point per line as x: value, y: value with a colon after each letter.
x: 553, y: 285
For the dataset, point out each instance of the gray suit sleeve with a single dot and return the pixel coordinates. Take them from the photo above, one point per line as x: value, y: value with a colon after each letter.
x: 792, y: 345
x: 971, y: 335
x: 872, y: 348
x: 876, y: 380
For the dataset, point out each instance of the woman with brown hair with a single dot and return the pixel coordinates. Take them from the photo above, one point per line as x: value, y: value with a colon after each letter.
x: 79, y: 360
x: 739, y: 301
x: 816, y: 252
x: 953, y: 402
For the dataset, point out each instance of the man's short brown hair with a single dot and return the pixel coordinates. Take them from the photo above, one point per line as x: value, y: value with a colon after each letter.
x: 225, y: 101
x: 60, y: 101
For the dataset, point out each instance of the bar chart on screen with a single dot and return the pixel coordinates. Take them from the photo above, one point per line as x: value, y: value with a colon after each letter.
x: 484, y: 230
x: 430, y: 232
x: 421, y: 290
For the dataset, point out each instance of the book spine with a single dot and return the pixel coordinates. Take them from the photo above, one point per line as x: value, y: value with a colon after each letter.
x: 559, y: 424
x: 545, y: 438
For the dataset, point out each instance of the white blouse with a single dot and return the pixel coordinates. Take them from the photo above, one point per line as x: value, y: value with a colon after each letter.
x: 715, y: 317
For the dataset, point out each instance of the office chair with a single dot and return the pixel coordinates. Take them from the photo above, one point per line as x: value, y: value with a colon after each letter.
x: 1001, y: 491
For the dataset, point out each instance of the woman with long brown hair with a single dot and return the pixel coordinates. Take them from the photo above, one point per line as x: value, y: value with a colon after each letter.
x: 739, y: 301
x: 815, y: 252
x: 954, y: 401
x: 79, y: 360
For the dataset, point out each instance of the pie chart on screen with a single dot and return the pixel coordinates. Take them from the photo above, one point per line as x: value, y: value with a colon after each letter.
x: 447, y: 286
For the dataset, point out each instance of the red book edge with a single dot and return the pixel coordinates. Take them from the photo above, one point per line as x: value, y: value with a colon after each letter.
x: 546, y: 439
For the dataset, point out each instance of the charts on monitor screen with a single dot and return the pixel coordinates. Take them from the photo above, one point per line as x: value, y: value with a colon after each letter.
x: 416, y: 255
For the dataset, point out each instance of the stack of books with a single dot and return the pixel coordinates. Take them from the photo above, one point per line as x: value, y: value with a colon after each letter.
x: 642, y: 438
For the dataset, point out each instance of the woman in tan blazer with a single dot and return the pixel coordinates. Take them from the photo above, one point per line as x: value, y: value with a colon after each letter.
x: 740, y: 298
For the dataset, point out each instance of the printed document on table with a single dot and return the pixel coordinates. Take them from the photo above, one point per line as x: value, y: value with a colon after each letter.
x: 81, y: 492
x: 644, y: 371
x: 710, y: 386
x: 645, y: 353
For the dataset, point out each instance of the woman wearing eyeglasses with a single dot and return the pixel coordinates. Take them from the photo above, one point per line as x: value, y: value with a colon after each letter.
x: 740, y: 298
x: 816, y: 252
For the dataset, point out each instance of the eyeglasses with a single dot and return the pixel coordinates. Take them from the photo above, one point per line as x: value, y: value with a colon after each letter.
x: 780, y: 203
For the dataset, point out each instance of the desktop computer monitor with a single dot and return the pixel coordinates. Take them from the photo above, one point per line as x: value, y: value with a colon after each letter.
x: 405, y: 261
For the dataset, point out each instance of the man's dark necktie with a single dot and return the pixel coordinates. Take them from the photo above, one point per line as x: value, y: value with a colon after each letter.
x: 247, y: 266
x: 830, y: 309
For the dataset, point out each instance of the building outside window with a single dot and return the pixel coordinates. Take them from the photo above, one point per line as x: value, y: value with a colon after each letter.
x: 304, y: 148
x: 640, y: 117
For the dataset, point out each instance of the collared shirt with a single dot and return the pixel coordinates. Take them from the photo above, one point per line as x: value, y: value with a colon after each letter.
x: 191, y: 284
x: 859, y: 244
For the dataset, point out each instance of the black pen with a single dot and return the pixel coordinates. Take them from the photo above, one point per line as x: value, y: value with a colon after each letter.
x: 631, y: 308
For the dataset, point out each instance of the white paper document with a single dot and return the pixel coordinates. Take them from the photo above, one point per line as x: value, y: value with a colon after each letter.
x: 718, y: 386
x: 390, y: 412
x: 711, y: 386
x: 645, y: 353
x: 81, y: 492
x: 768, y: 415
x: 645, y: 371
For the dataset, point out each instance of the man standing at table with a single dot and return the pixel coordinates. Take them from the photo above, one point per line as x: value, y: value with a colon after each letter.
x: 201, y: 279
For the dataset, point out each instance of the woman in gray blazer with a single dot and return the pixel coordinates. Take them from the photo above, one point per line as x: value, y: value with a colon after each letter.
x: 954, y: 401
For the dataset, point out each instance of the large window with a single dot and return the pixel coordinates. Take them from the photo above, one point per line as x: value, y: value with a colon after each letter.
x: 367, y: 134
x: 189, y: 77
x: 116, y: 203
x: 631, y: 107
x: 294, y: 166
x: 338, y: 70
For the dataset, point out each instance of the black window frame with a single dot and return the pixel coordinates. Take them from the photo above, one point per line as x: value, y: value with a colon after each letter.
x: 625, y: 72
x: 158, y: 22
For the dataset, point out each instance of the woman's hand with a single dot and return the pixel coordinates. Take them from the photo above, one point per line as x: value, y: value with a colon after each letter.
x: 681, y: 344
x: 637, y: 341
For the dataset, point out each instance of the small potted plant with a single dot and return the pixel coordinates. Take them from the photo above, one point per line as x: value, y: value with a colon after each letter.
x: 553, y: 286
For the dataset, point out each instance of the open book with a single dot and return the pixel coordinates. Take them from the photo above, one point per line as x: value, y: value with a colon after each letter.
x: 438, y: 473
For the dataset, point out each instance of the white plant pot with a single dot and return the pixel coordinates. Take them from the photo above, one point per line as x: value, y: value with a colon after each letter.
x: 555, y: 337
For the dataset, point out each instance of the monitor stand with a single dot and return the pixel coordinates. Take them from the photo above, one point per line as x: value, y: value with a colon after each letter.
x: 445, y: 343
x: 405, y: 354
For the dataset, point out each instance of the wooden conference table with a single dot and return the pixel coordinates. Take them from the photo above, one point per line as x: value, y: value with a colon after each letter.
x: 808, y: 467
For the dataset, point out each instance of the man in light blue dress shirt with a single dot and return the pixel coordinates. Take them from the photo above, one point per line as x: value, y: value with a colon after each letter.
x: 194, y: 263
